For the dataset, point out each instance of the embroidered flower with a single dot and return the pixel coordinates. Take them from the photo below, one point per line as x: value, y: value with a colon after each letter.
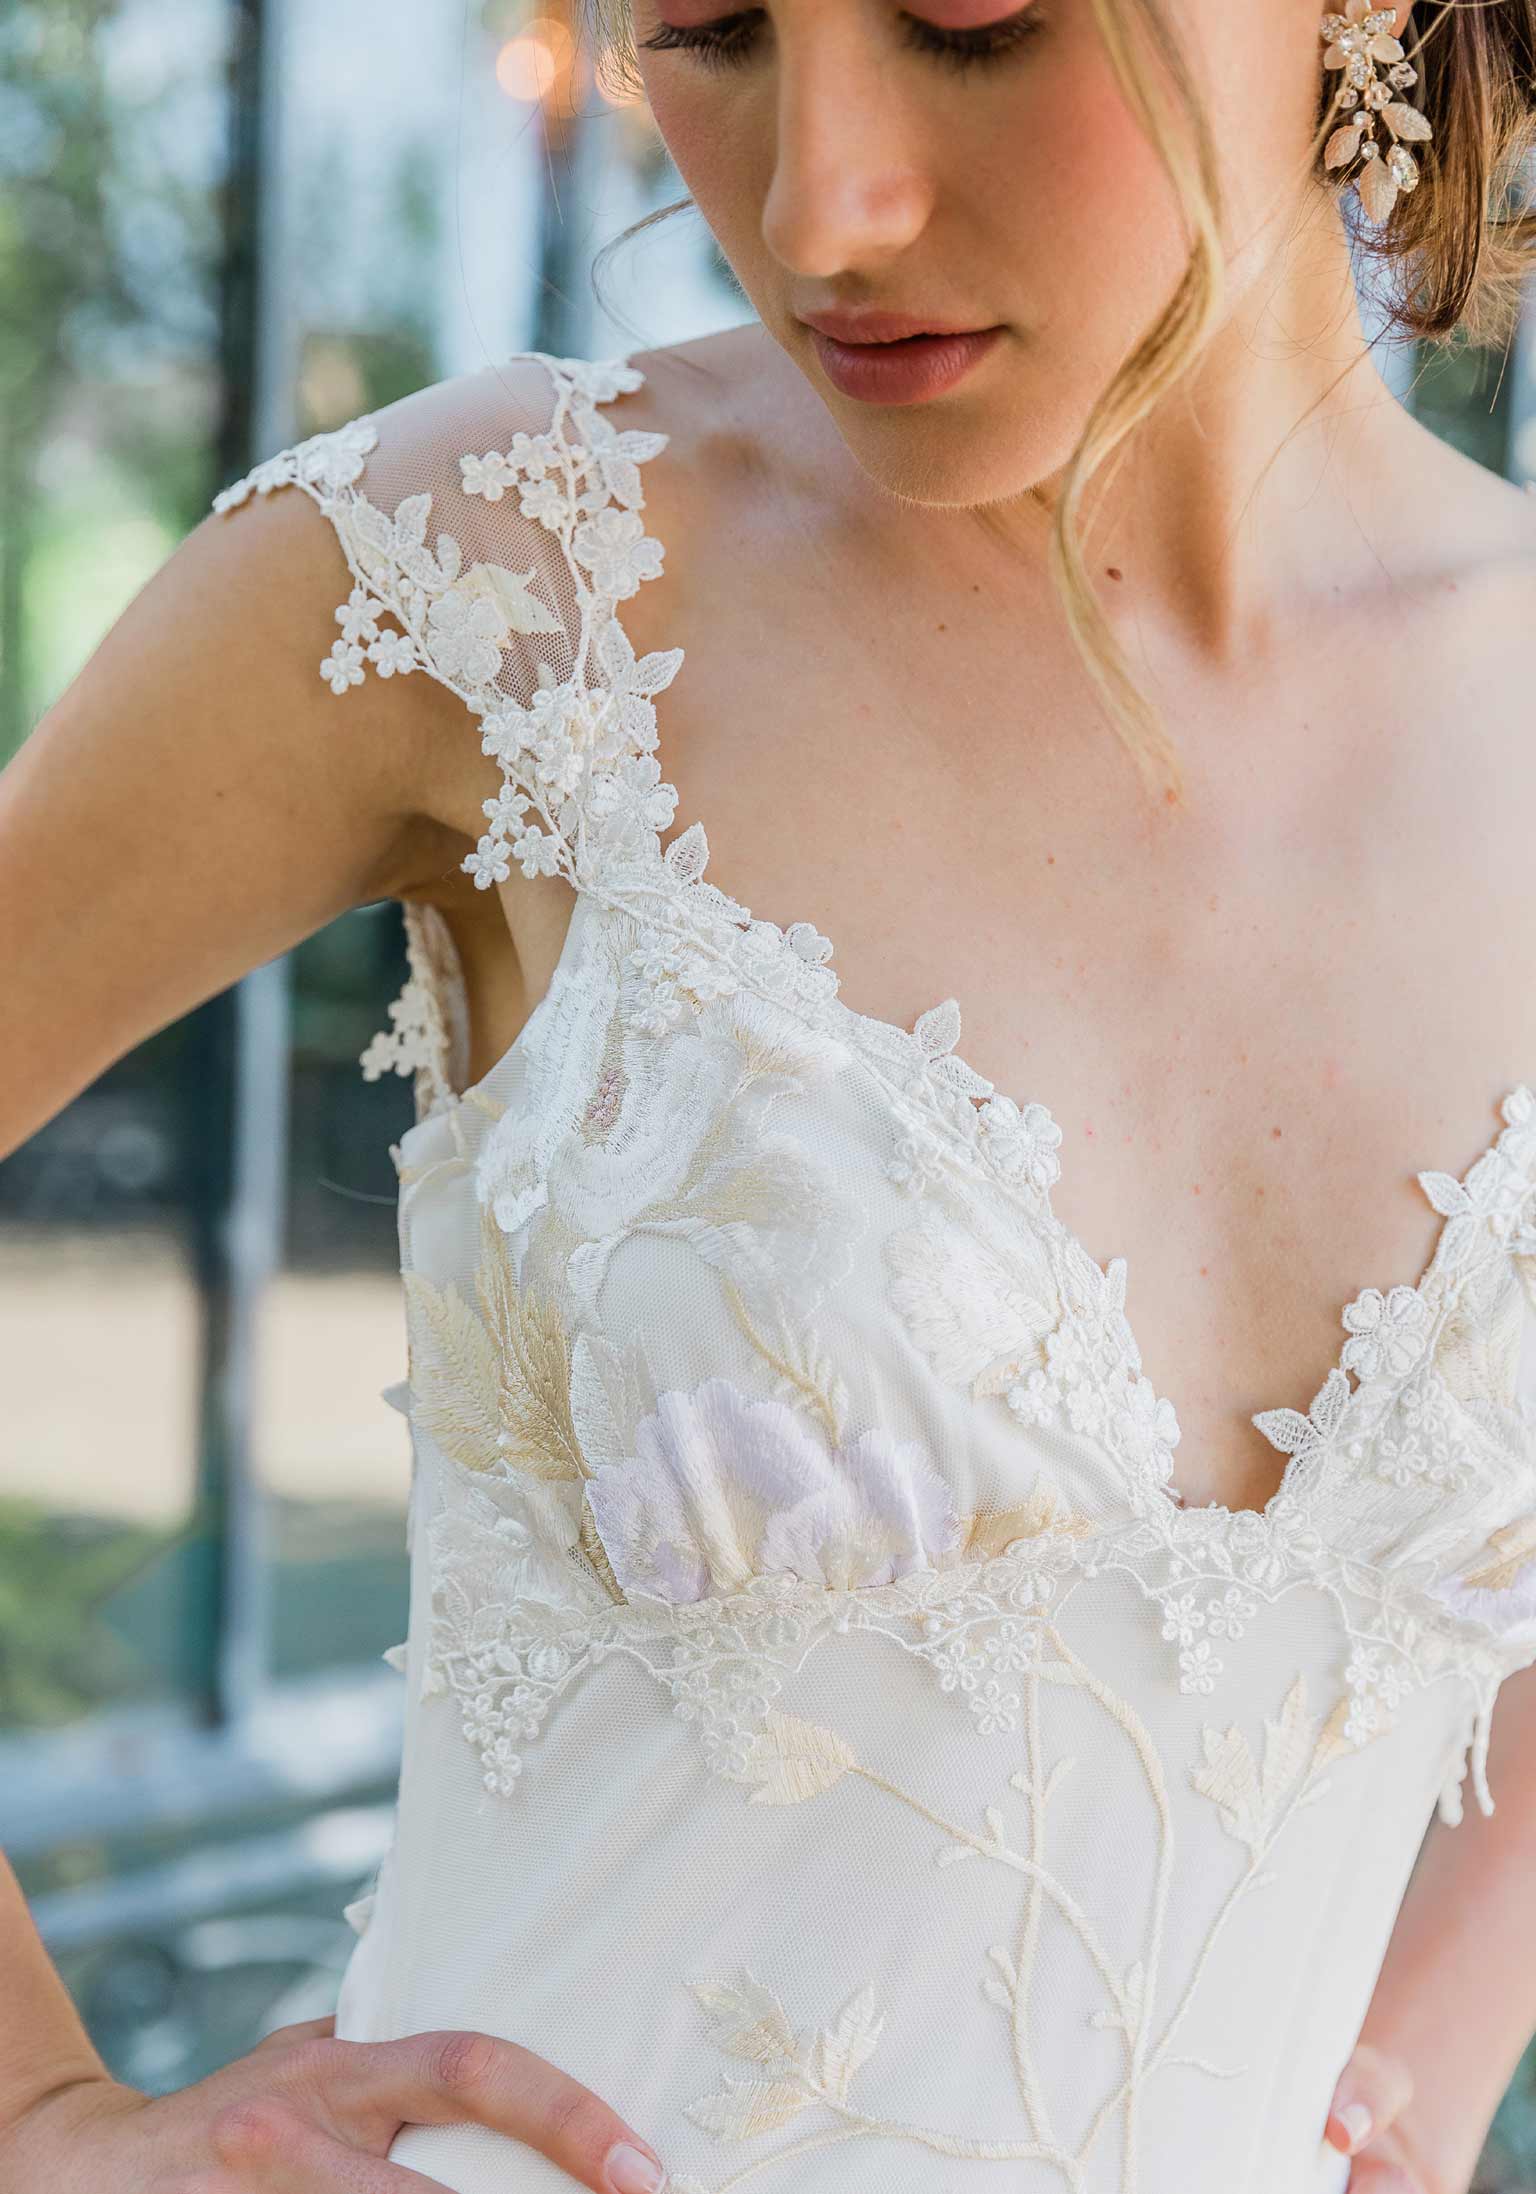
x: 1389, y: 1332
x: 615, y: 548
x: 465, y: 634
x: 722, y: 1487
x: 1021, y: 1142
x: 490, y: 475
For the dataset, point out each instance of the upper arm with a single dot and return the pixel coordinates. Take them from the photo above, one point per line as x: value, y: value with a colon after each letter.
x: 195, y: 803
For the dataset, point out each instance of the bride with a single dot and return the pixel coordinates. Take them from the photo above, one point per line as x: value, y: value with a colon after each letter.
x: 1054, y: 607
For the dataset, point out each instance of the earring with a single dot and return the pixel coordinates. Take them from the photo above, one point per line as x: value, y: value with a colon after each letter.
x: 1356, y: 41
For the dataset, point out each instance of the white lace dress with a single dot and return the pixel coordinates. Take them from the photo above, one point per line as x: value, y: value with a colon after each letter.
x: 828, y: 1735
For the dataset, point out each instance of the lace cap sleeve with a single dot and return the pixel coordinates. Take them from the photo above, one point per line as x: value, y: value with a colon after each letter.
x: 491, y: 525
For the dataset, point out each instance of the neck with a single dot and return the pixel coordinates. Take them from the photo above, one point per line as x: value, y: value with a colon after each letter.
x: 1247, y: 479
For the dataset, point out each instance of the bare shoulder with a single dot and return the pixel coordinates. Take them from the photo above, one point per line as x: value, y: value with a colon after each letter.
x: 744, y: 428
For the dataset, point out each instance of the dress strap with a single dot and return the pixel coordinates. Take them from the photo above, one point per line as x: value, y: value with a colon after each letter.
x: 514, y: 608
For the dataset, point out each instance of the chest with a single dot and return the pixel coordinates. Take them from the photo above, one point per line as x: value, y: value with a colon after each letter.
x: 1255, y: 1019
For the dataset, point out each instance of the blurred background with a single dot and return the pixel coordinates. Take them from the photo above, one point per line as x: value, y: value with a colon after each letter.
x: 225, y: 224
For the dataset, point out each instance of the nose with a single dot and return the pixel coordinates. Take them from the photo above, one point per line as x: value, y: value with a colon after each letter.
x: 850, y: 185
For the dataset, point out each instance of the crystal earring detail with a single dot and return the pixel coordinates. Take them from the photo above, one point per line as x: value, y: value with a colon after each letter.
x: 1356, y: 41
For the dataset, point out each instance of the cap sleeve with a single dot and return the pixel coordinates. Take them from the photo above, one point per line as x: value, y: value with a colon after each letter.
x: 491, y: 526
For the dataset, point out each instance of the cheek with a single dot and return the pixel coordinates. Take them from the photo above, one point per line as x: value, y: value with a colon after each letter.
x: 721, y: 138
x: 1076, y: 213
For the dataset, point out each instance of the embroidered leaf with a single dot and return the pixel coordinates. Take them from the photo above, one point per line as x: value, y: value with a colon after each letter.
x: 1332, y: 1739
x: 1044, y: 1511
x: 611, y: 1391
x: 453, y: 1373
x: 1288, y: 1741
x: 1286, y: 1429
x: 510, y: 594
x: 793, y: 1760
x: 1513, y: 1545
x: 1231, y: 1780
x: 745, y: 2108
x: 841, y: 2049
x: 533, y: 1365
x: 807, y: 1371
x: 961, y: 1078
x: 647, y: 674
x: 1446, y: 1193
x: 749, y: 2019
x: 688, y: 853
x: 938, y: 1030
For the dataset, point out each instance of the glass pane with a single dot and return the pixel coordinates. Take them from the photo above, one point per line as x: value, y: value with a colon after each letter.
x: 110, y: 154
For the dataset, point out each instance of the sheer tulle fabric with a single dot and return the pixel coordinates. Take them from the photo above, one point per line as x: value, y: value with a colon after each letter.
x: 828, y: 1735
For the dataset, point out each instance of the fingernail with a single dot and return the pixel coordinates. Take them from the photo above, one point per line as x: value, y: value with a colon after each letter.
x: 631, y: 2171
x: 1356, y: 2120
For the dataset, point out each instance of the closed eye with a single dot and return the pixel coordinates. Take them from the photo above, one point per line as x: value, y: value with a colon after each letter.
x: 731, y: 40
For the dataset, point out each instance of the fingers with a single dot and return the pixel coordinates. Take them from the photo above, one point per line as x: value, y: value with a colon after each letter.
x: 449, y: 2075
x: 1375, y: 2087
x: 1380, y: 2175
x: 269, y: 2146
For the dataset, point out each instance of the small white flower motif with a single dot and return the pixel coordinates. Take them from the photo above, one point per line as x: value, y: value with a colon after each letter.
x: 1149, y: 1427
x: 547, y: 504
x: 357, y: 616
x: 411, y: 1042
x: 1035, y: 1398
x: 1388, y: 1332
x: 1183, y: 1618
x: 1229, y: 1615
x: 488, y: 864
x: 917, y: 1160
x: 994, y: 1708
x: 465, y: 635
x: 1021, y: 1142
x: 490, y: 475
x: 501, y: 734
x: 1069, y: 1359
x: 1199, y: 1667
x: 343, y: 667
x: 601, y: 380
x: 502, y: 1766
x: 615, y: 548
x: 538, y: 852
x: 392, y: 652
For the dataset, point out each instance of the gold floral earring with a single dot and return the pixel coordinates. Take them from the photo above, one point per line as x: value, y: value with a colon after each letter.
x: 1356, y: 42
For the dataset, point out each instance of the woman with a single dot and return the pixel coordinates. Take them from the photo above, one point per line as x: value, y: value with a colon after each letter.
x: 793, y: 1517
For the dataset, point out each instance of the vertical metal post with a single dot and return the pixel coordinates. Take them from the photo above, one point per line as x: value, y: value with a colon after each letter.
x: 242, y: 1247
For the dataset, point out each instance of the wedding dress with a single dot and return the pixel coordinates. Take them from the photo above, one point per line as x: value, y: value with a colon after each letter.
x: 829, y: 1736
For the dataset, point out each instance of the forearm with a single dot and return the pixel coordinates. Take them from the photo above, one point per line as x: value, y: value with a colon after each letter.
x: 43, y: 2043
x: 1456, y: 1997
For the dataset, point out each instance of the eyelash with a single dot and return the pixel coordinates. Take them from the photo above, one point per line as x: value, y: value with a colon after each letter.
x: 728, y: 42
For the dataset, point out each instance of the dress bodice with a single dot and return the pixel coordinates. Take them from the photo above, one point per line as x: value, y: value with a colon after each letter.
x: 829, y: 1735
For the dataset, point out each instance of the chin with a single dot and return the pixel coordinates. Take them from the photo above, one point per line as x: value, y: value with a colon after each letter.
x: 955, y: 453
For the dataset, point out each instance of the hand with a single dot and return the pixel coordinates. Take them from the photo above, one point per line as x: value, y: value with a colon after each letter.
x: 1368, y: 2120
x: 304, y: 2113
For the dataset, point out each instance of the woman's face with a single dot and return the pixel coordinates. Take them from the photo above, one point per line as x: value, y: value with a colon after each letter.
x: 963, y: 165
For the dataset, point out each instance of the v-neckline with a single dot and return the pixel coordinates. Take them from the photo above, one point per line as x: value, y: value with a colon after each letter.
x: 878, y: 1042
x: 1455, y: 1197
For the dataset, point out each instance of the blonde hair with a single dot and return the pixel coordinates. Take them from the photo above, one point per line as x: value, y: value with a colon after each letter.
x: 1456, y: 252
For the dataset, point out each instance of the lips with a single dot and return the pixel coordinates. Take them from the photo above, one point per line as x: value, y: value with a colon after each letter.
x: 894, y: 358
x: 880, y: 327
